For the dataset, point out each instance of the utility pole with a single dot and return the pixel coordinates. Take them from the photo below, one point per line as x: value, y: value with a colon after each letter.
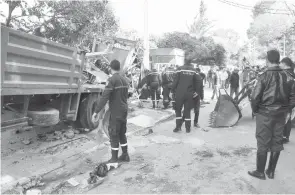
x: 284, y: 45
x: 146, y: 57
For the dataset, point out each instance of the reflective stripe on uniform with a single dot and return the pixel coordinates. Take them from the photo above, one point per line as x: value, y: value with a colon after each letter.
x: 169, y: 72
x: 187, y: 119
x: 153, y: 73
x: 124, y: 144
x: 115, y: 148
x: 187, y: 71
x: 177, y: 118
x: 120, y: 87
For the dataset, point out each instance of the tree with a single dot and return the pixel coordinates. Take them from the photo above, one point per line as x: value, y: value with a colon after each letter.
x: 199, y: 50
x: 67, y: 22
x: 272, y: 29
x: 201, y: 24
x: 261, y: 8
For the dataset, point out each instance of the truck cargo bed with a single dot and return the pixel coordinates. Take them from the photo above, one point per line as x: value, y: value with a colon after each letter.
x: 34, y: 65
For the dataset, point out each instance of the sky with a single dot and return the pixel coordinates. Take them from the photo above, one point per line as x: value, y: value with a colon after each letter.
x: 175, y: 15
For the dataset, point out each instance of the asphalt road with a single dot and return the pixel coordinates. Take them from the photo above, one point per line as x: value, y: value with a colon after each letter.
x: 216, y: 161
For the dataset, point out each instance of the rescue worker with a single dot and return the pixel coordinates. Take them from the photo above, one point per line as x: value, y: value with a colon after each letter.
x: 186, y: 86
x: 271, y: 100
x: 197, y: 101
x: 167, y: 81
x: 154, y: 85
x: 116, y: 92
x: 288, y: 66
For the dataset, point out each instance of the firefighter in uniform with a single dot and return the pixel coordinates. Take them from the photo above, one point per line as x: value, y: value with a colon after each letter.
x: 167, y: 81
x: 198, y: 99
x: 271, y: 100
x: 116, y: 92
x: 154, y: 85
x: 186, y: 86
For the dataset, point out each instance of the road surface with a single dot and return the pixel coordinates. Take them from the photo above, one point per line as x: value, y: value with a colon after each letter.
x: 216, y: 161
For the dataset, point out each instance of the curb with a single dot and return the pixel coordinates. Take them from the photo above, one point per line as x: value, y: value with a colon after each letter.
x: 163, y: 119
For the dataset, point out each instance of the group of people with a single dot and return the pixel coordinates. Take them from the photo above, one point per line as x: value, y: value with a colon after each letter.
x: 174, y: 90
x: 272, y: 99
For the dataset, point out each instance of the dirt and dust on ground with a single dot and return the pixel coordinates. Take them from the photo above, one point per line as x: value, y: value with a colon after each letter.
x: 214, y: 161
x: 55, y: 154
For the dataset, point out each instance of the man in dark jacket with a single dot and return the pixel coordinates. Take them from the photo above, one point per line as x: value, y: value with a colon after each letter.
x: 234, y: 83
x: 271, y: 100
x: 167, y: 81
x: 154, y: 85
x: 116, y: 92
x: 288, y: 66
x: 186, y: 86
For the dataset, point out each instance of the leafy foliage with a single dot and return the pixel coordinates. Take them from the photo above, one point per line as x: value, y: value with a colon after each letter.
x: 199, y: 50
x: 201, y: 24
x: 271, y: 29
x: 67, y: 22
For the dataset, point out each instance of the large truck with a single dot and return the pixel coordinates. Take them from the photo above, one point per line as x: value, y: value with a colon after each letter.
x: 42, y: 82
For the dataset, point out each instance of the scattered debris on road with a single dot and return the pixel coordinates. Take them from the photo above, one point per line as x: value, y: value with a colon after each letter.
x: 69, y: 134
x: 73, y: 182
x: 29, y: 184
x: 26, y: 141
x: 150, y: 131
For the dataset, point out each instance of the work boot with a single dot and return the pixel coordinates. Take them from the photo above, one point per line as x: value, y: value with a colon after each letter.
x: 274, y: 157
x: 188, y: 130
x: 260, y: 166
x: 177, y: 129
x: 124, y: 156
x: 114, y: 158
x: 285, y: 140
x: 196, y: 125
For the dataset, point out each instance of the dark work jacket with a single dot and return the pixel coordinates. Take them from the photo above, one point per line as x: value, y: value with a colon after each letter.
x: 203, y: 76
x: 274, y: 92
x: 187, y: 81
x: 234, y: 80
x: 215, y: 79
x: 153, y: 77
x: 116, y: 91
x: 168, y: 77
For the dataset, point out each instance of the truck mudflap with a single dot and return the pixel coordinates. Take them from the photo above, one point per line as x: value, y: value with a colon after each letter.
x: 226, y: 112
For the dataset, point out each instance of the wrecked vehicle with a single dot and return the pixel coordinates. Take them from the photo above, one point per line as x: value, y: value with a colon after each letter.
x: 44, y: 82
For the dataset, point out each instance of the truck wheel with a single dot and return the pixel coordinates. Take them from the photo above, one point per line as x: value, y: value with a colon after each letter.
x: 44, y: 118
x: 86, y: 111
x: 105, y: 122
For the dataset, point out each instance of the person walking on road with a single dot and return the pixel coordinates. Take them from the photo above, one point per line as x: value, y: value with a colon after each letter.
x: 215, y: 85
x: 223, y: 76
x: 288, y: 66
x: 234, y: 83
x: 116, y: 92
x: 186, y: 86
x: 197, y: 101
x: 209, y: 77
x: 271, y: 100
x: 167, y: 81
x: 154, y: 85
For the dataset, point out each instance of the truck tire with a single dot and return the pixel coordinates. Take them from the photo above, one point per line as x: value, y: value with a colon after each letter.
x: 105, y: 123
x: 44, y: 118
x: 86, y: 111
